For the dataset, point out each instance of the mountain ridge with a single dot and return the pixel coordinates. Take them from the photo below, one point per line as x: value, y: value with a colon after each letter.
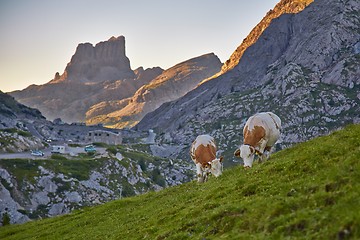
x: 169, y: 85
x: 95, y: 79
x: 295, y: 56
x: 16, y: 122
x: 288, y: 6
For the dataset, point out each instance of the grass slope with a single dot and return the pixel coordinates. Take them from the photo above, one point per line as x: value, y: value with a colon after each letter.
x: 310, y: 191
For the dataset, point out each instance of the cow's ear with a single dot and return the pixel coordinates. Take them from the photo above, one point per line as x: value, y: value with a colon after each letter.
x: 252, y: 150
x: 237, y: 153
x: 221, y: 158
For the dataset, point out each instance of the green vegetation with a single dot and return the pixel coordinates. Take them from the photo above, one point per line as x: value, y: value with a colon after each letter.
x: 310, y: 191
x: 15, y: 130
x: 141, y: 147
x: 26, y: 169
x: 5, y: 219
x: 8, y: 137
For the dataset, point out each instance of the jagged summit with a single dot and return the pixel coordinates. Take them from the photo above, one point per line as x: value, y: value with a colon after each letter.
x: 104, y: 61
x: 115, y: 38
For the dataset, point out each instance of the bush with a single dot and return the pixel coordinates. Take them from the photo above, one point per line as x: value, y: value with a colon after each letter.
x: 142, y: 164
x: 100, y: 144
x: 112, y: 150
x: 5, y: 219
x: 157, y: 178
x: 127, y: 190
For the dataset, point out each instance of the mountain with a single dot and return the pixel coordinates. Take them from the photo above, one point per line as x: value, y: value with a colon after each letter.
x: 288, y: 6
x: 94, y: 64
x: 99, y: 109
x: 23, y: 129
x: 98, y: 83
x: 11, y: 111
x: 17, y: 122
x: 304, y: 67
x: 309, y: 191
x: 95, y: 74
x: 172, y: 84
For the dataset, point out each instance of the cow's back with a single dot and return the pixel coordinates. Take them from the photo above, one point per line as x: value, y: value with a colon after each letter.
x: 265, y: 125
x: 203, y: 149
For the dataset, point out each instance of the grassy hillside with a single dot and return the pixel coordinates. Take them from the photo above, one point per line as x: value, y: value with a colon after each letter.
x: 310, y: 191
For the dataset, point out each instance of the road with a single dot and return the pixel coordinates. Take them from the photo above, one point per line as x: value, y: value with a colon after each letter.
x: 72, y: 151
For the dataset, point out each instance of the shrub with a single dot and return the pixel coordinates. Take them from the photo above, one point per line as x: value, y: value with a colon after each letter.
x: 112, y: 150
x: 142, y: 164
x: 157, y: 177
x: 5, y: 219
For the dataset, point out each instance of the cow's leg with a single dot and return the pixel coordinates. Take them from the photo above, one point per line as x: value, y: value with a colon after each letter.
x: 199, y: 173
x: 262, y: 146
x: 268, y: 150
x: 206, y: 175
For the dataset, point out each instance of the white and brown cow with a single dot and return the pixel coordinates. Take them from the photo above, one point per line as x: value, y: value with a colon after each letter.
x: 203, y: 153
x: 261, y: 132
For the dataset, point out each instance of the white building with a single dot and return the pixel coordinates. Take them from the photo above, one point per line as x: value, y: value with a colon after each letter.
x: 103, y: 136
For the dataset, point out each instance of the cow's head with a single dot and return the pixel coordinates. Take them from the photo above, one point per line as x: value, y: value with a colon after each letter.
x: 216, y: 166
x: 246, y: 152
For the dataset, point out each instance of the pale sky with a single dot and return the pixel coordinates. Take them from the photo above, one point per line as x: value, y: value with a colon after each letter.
x: 38, y: 37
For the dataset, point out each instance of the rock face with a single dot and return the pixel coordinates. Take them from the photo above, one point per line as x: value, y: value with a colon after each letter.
x: 304, y: 67
x: 32, y: 189
x: 170, y: 85
x: 96, y: 113
x: 17, y: 131
x: 288, y: 6
x: 105, y: 61
x: 11, y: 110
x: 94, y: 75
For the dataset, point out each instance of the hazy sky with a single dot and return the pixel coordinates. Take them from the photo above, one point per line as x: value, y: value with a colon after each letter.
x: 38, y: 37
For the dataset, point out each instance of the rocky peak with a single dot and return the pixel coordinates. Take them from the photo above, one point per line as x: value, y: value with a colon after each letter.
x: 284, y: 6
x: 148, y: 74
x: 105, y: 61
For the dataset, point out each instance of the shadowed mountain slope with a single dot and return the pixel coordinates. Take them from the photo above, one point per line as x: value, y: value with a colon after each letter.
x: 304, y: 67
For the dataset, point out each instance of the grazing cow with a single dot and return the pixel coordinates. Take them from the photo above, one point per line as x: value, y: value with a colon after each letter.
x: 203, y: 153
x: 261, y: 132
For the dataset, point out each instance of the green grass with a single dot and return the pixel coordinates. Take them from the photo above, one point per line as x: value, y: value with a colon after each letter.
x: 310, y: 191
x: 27, y: 169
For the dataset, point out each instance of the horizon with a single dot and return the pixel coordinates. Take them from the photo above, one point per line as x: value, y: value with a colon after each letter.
x: 39, y: 38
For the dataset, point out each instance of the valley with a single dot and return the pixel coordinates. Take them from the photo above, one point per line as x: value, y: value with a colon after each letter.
x: 302, y: 62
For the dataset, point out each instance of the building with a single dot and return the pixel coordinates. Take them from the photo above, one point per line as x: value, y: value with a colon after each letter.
x: 103, y: 136
x: 58, y: 149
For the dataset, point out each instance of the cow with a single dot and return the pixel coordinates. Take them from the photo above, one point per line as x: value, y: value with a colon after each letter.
x: 203, y: 153
x: 261, y: 132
